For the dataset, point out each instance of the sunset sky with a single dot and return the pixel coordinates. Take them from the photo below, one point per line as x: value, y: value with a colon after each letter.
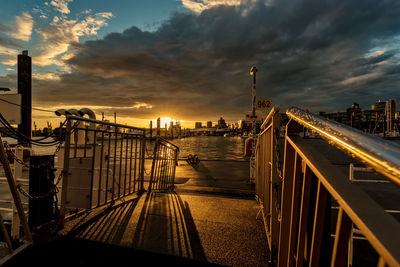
x: 190, y: 59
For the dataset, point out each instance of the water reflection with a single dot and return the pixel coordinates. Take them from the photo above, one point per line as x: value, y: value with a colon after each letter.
x: 205, y: 147
x: 211, y: 147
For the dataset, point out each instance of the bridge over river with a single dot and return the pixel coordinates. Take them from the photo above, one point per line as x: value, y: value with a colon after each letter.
x: 324, y: 194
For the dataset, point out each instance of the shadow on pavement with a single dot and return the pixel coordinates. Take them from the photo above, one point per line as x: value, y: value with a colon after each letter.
x: 106, y: 226
x: 166, y: 225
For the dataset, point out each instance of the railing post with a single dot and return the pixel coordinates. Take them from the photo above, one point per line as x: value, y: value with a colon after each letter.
x: 64, y: 190
x: 15, y: 226
x: 292, y: 128
x: 143, y: 154
x: 342, y: 235
x: 153, y: 164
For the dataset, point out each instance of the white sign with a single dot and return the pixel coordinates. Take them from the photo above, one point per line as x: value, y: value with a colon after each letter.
x: 265, y: 103
x: 10, y: 107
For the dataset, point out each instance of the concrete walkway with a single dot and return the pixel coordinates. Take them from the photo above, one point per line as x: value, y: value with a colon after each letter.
x: 210, y: 217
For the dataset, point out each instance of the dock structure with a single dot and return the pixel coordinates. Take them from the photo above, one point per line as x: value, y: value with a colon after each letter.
x: 127, y: 201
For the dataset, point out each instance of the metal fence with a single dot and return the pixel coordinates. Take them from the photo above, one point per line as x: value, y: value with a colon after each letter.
x: 18, y: 212
x: 268, y: 181
x: 102, y: 162
x: 311, y: 183
x: 164, y: 164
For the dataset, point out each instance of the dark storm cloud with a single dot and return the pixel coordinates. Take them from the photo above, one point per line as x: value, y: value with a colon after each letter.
x: 310, y: 53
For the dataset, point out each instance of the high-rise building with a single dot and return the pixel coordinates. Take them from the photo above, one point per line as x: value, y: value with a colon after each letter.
x: 197, y: 125
x: 222, y: 123
x: 209, y: 124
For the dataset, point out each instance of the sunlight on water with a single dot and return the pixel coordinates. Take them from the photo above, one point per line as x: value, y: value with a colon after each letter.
x: 211, y: 147
x: 205, y: 147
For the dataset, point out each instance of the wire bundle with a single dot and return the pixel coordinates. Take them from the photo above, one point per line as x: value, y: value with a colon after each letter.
x: 13, y: 133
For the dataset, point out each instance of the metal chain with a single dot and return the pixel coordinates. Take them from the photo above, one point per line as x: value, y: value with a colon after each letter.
x: 26, y: 194
x: 14, y: 157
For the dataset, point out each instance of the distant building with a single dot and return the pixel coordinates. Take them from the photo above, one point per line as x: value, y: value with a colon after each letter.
x: 197, y: 125
x: 375, y: 120
x: 222, y: 123
x: 209, y: 124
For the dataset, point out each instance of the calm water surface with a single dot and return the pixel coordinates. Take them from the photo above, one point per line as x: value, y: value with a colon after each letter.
x: 212, y: 147
x: 205, y: 147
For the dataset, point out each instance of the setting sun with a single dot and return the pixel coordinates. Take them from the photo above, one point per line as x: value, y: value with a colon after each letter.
x: 163, y: 121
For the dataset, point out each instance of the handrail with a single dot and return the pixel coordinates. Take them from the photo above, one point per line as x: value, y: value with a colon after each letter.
x: 271, y: 114
x: 382, y: 155
x: 72, y: 117
x: 168, y: 142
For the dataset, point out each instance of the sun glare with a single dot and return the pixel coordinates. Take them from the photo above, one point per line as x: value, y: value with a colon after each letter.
x: 163, y: 121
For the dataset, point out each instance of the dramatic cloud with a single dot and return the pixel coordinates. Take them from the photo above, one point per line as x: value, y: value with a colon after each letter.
x: 24, y: 25
x: 201, y: 5
x: 61, y: 5
x: 322, y: 55
x: 8, y: 55
x: 61, y: 32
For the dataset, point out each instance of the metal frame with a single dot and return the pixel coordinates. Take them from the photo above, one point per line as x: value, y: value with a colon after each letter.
x: 16, y: 202
x: 268, y: 181
x: 117, y: 145
x: 304, y: 165
x: 377, y: 153
x: 164, y: 164
x: 310, y: 183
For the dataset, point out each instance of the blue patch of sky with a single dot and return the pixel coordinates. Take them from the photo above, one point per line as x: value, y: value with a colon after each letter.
x: 146, y: 15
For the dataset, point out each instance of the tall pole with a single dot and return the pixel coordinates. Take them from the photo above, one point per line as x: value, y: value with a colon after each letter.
x: 253, y: 72
x: 25, y: 90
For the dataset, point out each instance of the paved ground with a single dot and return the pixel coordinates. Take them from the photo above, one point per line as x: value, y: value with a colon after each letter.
x: 210, y: 217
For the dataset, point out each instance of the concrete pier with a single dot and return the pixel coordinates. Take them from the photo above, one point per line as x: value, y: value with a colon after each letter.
x: 209, y: 218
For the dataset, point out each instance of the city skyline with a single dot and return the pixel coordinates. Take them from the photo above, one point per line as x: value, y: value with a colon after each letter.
x: 190, y: 60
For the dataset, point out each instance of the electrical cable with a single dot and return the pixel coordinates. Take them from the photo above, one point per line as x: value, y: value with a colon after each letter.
x: 15, y: 104
x: 20, y: 135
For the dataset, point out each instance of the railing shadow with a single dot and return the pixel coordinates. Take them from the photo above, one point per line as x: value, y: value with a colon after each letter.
x: 106, y: 226
x: 166, y: 225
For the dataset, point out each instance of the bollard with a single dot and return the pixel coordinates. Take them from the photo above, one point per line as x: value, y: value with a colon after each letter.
x: 41, y: 190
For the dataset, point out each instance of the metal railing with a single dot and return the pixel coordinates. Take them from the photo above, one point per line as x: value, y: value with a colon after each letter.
x: 102, y: 162
x: 268, y: 181
x: 7, y: 205
x: 17, y: 208
x: 380, y: 154
x: 165, y: 160
x: 311, y: 183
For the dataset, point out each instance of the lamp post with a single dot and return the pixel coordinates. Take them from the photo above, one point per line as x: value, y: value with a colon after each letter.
x: 252, y: 139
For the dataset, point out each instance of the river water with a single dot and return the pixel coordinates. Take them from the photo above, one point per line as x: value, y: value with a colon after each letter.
x: 205, y: 147
x: 211, y: 147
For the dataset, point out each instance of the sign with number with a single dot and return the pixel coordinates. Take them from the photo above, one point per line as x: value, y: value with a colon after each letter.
x: 265, y: 103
